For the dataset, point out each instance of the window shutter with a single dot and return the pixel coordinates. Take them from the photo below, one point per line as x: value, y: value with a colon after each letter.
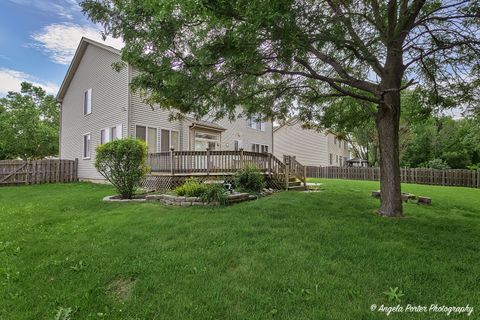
x: 89, y: 101
x: 119, y: 132
x: 107, y: 135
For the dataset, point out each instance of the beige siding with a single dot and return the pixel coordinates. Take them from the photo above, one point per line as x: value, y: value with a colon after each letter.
x: 337, y: 150
x: 309, y: 146
x: 238, y: 130
x: 142, y: 114
x: 109, y: 106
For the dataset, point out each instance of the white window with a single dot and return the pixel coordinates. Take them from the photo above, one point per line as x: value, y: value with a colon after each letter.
x: 256, y: 123
x: 110, y: 134
x: 204, y: 141
x: 256, y: 147
x: 149, y: 135
x: 334, y: 140
x: 331, y: 159
x: 340, y: 159
x: 237, y: 145
x: 87, y: 146
x: 336, y: 158
x: 345, y: 145
x: 169, y: 139
x: 87, y: 102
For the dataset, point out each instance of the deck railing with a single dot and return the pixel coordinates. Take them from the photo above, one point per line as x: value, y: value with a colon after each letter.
x: 185, y: 162
x: 224, y: 162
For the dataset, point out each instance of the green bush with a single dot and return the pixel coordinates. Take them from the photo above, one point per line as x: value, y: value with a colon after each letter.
x: 436, y: 164
x: 214, y: 193
x: 249, y: 179
x: 191, y: 188
x: 123, y: 163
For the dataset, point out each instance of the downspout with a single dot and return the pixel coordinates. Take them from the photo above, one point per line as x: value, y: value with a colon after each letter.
x: 60, y: 130
x: 272, y: 137
x: 129, y: 100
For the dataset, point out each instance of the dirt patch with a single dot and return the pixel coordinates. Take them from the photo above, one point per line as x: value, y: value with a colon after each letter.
x: 121, y: 288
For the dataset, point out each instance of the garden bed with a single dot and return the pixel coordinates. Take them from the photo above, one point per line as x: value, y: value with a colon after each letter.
x: 174, y: 200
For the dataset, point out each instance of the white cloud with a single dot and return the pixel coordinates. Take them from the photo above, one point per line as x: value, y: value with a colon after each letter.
x: 63, y: 8
x: 10, y: 80
x: 60, y: 40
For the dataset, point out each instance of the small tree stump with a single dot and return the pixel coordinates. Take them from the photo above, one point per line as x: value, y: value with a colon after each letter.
x: 405, y: 197
x: 376, y: 194
x: 424, y: 200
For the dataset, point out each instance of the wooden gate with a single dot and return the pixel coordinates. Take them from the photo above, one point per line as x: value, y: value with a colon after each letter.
x: 13, y: 172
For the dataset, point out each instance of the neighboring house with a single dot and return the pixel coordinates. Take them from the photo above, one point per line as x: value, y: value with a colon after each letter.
x: 97, y: 106
x: 311, y: 147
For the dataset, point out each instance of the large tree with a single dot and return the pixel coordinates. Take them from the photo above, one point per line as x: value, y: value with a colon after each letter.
x: 29, y: 124
x: 282, y: 56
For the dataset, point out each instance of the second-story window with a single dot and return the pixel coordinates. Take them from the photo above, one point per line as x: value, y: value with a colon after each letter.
x: 87, y: 102
x: 255, y: 122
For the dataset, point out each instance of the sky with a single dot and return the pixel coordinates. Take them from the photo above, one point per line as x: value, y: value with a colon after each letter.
x: 38, y: 39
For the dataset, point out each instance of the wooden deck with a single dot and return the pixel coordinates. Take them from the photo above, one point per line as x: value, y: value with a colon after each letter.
x: 171, y: 168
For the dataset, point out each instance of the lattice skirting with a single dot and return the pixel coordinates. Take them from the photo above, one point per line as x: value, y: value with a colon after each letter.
x: 165, y: 183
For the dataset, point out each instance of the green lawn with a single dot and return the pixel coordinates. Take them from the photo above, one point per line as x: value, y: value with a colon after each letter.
x: 322, y: 255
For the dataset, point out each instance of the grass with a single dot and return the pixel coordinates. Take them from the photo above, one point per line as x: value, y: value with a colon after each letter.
x: 323, y: 255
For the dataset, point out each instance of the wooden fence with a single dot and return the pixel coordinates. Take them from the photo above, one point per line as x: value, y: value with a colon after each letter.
x: 14, y: 172
x: 453, y: 177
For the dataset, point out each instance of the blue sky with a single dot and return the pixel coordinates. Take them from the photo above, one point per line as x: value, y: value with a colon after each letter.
x: 38, y: 39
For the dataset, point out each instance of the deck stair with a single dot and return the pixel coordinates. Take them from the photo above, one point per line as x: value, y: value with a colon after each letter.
x: 295, y: 184
x: 296, y: 174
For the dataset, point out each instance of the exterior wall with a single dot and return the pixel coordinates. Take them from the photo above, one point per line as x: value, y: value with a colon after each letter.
x: 143, y: 114
x: 337, y: 150
x: 309, y: 146
x: 238, y: 130
x: 109, y: 107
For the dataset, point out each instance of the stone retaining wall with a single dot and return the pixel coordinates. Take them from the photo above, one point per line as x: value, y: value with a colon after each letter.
x: 196, y: 201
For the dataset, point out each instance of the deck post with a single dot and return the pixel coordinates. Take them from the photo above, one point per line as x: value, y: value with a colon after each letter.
x: 305, y: 176
x: 269, y: 164
x: 286, y: 159
x: 241, y: 158
x: 172, y: 169
x: 208, y: 161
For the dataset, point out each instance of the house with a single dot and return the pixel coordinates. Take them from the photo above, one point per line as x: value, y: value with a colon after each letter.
x: 97, y: 106
x: 311, y: 147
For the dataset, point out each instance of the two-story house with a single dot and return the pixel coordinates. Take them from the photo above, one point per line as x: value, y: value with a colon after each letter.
x: 97, y: 105
x: 311, y: 147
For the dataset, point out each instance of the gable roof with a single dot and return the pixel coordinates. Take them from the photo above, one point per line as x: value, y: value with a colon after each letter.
x: 82, y: 47
x: 289, y: 122
x: 205, y: 124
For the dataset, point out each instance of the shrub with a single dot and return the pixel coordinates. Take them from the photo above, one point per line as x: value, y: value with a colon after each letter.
x: 214, y: 193
x: 123, y: 163
x: 190, y: 188
x: 437, y: 164
x: 474, y: 167
x: 250, y: 179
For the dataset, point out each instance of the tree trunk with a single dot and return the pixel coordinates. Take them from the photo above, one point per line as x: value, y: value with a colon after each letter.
x: 388, y: 122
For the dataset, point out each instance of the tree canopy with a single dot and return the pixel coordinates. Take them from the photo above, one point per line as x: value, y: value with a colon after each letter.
x: 280, y: 57
x: 29, y: 124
